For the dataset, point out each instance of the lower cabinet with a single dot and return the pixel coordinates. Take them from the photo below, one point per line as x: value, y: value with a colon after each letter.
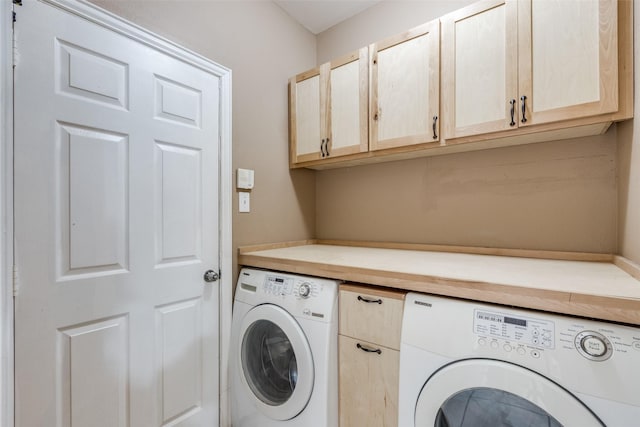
x: 369, y: 356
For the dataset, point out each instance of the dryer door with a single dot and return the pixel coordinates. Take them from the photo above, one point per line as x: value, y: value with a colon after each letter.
x: 277, y: 364
x: 489, y: 393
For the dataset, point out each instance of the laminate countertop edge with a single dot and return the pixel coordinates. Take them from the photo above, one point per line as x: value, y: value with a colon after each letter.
x: 617, y: 299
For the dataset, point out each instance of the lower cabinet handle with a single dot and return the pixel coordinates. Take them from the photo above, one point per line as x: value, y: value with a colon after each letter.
x: 369, y: 301
x: 368, y: 349
x: 523, y: 98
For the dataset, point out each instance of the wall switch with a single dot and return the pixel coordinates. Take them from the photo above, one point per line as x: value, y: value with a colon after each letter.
x: 244, y: 179
x: 244, y: 201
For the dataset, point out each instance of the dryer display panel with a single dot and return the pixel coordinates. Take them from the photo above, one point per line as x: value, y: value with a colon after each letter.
x: 519, y: 329
x: 278, y: 285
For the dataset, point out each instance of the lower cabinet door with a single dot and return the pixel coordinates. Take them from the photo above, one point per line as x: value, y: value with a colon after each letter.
x: 368, y: 384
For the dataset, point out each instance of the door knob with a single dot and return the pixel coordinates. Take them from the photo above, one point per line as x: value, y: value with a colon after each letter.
x: 211, y: 276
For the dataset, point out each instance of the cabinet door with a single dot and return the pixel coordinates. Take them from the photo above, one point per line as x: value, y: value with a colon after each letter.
x: 479, y: 70
x: 368, y: 384
x: 305, y: 127
x: 405, y: 89
x: 568, y: 58
x: 347, y: 118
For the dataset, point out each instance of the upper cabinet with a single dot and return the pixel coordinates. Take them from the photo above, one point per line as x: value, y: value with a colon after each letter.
x: 492, y: 74
x: 479, y: 68
x: 328, y: 105
x: 568, y: 58
x: 405, y: 89
x: 516, y: 63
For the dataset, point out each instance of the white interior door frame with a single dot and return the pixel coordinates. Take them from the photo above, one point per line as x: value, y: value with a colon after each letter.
x: 100, y: 17
x: 6, y: 214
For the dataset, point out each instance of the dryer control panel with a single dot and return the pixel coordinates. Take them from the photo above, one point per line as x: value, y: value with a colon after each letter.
x: 517, y: 329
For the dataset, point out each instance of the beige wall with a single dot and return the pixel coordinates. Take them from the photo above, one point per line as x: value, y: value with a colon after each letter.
x: 553, y: 196
x: 629, y: 168
x: 385, y: 19
x: 263, y: 47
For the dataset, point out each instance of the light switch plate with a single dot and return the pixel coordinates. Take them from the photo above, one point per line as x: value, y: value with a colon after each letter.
x: 244, y: 179
x: 244, y: 201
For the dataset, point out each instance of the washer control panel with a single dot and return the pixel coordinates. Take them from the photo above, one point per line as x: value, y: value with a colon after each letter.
x: 515, y: 329
x: 309, y: 297
x: 277, y: 285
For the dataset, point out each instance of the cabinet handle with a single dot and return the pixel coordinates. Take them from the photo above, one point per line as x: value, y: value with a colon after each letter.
x: 326, y: 147
x: 513, y: 112
x: 369, y: 301
x: 523, y: 98
x: 368, y: 349
x: 322, y: 148
x: 435, y: 119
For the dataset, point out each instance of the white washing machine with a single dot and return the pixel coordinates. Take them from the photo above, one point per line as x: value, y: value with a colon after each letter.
x: 467, y: 364
x: 284, y: 359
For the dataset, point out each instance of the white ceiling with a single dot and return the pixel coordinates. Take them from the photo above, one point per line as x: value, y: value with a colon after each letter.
x: 319, y: 15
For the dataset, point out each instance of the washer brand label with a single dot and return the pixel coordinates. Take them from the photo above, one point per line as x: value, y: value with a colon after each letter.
x: 426, y: 304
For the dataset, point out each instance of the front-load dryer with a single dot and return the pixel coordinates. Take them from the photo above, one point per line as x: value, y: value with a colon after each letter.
x: 469, y: 364
x: 283, y: 353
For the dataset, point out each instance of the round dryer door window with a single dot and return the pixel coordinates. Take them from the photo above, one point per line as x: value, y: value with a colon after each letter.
x: 276, y: 360
x: 490, y: 393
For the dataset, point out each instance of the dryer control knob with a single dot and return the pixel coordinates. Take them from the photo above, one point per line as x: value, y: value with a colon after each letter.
x: 593, y: 345
x: 304, y: 290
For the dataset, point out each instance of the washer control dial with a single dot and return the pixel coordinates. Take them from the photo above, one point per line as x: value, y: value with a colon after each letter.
x: 304, y: 290
x: 593, y: 345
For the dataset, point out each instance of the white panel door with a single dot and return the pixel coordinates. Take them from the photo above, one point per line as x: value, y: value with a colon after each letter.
x: 116, y: 220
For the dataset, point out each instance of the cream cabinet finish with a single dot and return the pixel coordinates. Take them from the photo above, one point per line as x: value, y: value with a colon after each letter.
x: 305, y: 122
x: 369, y: 356
x: 568, y: 58
x: 328, y: 109
x: 379, y: 321
x: 405, y: 89
x: 510, y: 64
x: 368, y: 384
x: 479, y: 60
x: 569, y: 63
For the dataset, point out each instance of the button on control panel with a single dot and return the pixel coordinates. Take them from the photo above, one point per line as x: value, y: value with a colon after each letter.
x: 593, y: 345
x: 304, y: 290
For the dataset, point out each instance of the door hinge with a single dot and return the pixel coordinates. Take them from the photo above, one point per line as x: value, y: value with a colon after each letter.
x: 16, y: 285
x: 15, y: 55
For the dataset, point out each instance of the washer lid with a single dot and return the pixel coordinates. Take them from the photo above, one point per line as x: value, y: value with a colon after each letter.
x: 277, y: 364
x: 489, y: 393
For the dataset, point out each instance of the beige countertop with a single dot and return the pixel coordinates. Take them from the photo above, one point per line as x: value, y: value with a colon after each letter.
x: 597, y: 289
